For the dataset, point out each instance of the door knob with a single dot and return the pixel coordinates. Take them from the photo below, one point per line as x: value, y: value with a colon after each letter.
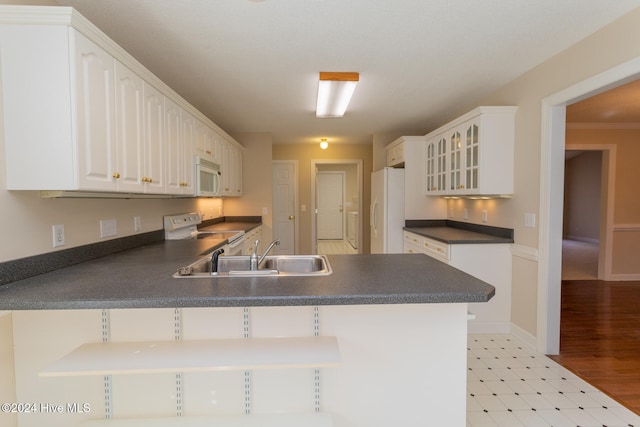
x: 291, y: 217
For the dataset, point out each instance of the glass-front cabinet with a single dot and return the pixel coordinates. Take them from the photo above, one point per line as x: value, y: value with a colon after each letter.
x: 436, y: 165
x: 455, y: 161
x: 472, y: 155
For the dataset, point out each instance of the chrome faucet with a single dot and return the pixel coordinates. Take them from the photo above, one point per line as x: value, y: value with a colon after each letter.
x: 254, y: 259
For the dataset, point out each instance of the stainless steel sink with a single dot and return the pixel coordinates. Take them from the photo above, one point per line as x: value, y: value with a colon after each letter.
x: 276, y: 265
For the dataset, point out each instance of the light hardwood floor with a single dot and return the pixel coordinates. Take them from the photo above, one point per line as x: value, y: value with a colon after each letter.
x: 600, y: 337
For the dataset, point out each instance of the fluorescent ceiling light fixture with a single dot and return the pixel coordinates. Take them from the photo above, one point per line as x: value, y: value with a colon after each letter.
x: 334, y: 93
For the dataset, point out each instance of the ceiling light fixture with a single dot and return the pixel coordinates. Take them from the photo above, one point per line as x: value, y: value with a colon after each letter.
x: 334, y: 93
x: 323, y: 143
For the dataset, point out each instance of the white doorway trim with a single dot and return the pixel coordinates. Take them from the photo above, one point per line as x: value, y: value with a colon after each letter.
x: 314, y: 164
x: 605, y: 250
x: 551, y: 195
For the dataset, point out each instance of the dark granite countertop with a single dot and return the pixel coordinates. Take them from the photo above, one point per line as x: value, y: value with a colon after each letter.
x: 455, y: 232
x: 142, y: 278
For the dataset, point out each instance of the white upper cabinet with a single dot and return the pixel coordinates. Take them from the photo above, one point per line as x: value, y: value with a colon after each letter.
x: 473, y: 155
x: 97, y: 152
x: 395, y: 154
x: 154, y: 140
x: 436, y: 164
x: 130, y: 130
x: 231, y: 170
x: 208, y: 144
x: 81, y: 114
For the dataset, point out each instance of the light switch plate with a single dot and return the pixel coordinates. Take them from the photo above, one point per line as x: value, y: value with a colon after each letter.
x: 530, y: 220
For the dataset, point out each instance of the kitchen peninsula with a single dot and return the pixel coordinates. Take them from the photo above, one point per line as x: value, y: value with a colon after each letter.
x: 395, y: 326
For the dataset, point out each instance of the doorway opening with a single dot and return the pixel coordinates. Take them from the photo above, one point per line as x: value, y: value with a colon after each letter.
x: 336, y: 206
x: 587, y: 213
x: 551, y: 195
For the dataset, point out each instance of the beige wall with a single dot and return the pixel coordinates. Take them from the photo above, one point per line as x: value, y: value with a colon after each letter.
x: 626, y: 203
x: 256, y: 182
x: 304, y: 153
x: 611, y: 46
x: 581, y: 215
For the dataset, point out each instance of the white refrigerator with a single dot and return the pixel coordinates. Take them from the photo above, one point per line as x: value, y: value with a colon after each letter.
x: 387, y: 211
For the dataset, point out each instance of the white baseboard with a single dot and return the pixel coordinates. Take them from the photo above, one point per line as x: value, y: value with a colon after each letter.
x: 523, y: 335
x: 477, y: 327
x: 581, y: 239
x: 624, y: 277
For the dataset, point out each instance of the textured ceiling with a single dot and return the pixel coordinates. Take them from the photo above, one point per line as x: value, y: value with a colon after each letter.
x: 252, y: 66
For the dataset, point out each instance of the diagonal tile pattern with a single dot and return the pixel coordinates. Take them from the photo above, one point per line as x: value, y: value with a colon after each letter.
x: 509, y: 384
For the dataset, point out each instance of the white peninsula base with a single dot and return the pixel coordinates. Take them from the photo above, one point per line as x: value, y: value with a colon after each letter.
x: 401, y: 364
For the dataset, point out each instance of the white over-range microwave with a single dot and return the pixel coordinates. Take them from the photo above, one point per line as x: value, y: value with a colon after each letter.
x: 208, y: 178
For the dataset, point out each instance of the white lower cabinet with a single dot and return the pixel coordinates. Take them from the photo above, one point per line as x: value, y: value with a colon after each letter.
x: 257, y: 366
x: 490, y: 262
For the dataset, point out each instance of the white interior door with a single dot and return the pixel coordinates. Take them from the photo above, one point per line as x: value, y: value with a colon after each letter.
x: 331, y: 205
x: 284, y: 207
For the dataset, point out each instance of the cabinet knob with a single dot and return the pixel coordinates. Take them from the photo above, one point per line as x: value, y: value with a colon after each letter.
x: 291, y: 217
x: 115, y: 175
x: 208, y: 152
x: 226, y: 189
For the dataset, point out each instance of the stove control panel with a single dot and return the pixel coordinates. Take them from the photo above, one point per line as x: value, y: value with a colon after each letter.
x: 176, y: 222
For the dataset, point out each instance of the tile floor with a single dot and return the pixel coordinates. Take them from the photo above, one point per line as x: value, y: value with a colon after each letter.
x: 509, y: 384
x: 330, y: 247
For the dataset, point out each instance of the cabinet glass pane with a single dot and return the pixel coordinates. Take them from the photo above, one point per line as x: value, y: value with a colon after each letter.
x: 471, y: 160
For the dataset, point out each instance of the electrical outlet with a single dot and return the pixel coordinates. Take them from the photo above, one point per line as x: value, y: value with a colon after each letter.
x: 265, y: 211
x: 465, y: 213
x: 108, y: 228
x: 484, y: 216
x: 137, y: 224
x: 58, y: 235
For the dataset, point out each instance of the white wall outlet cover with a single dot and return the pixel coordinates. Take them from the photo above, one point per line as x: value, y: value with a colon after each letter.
x: 58, y: 235
x: 465, y: 213
x: 108, y: 228
x: 484, y: 216
x: 137, y: 224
